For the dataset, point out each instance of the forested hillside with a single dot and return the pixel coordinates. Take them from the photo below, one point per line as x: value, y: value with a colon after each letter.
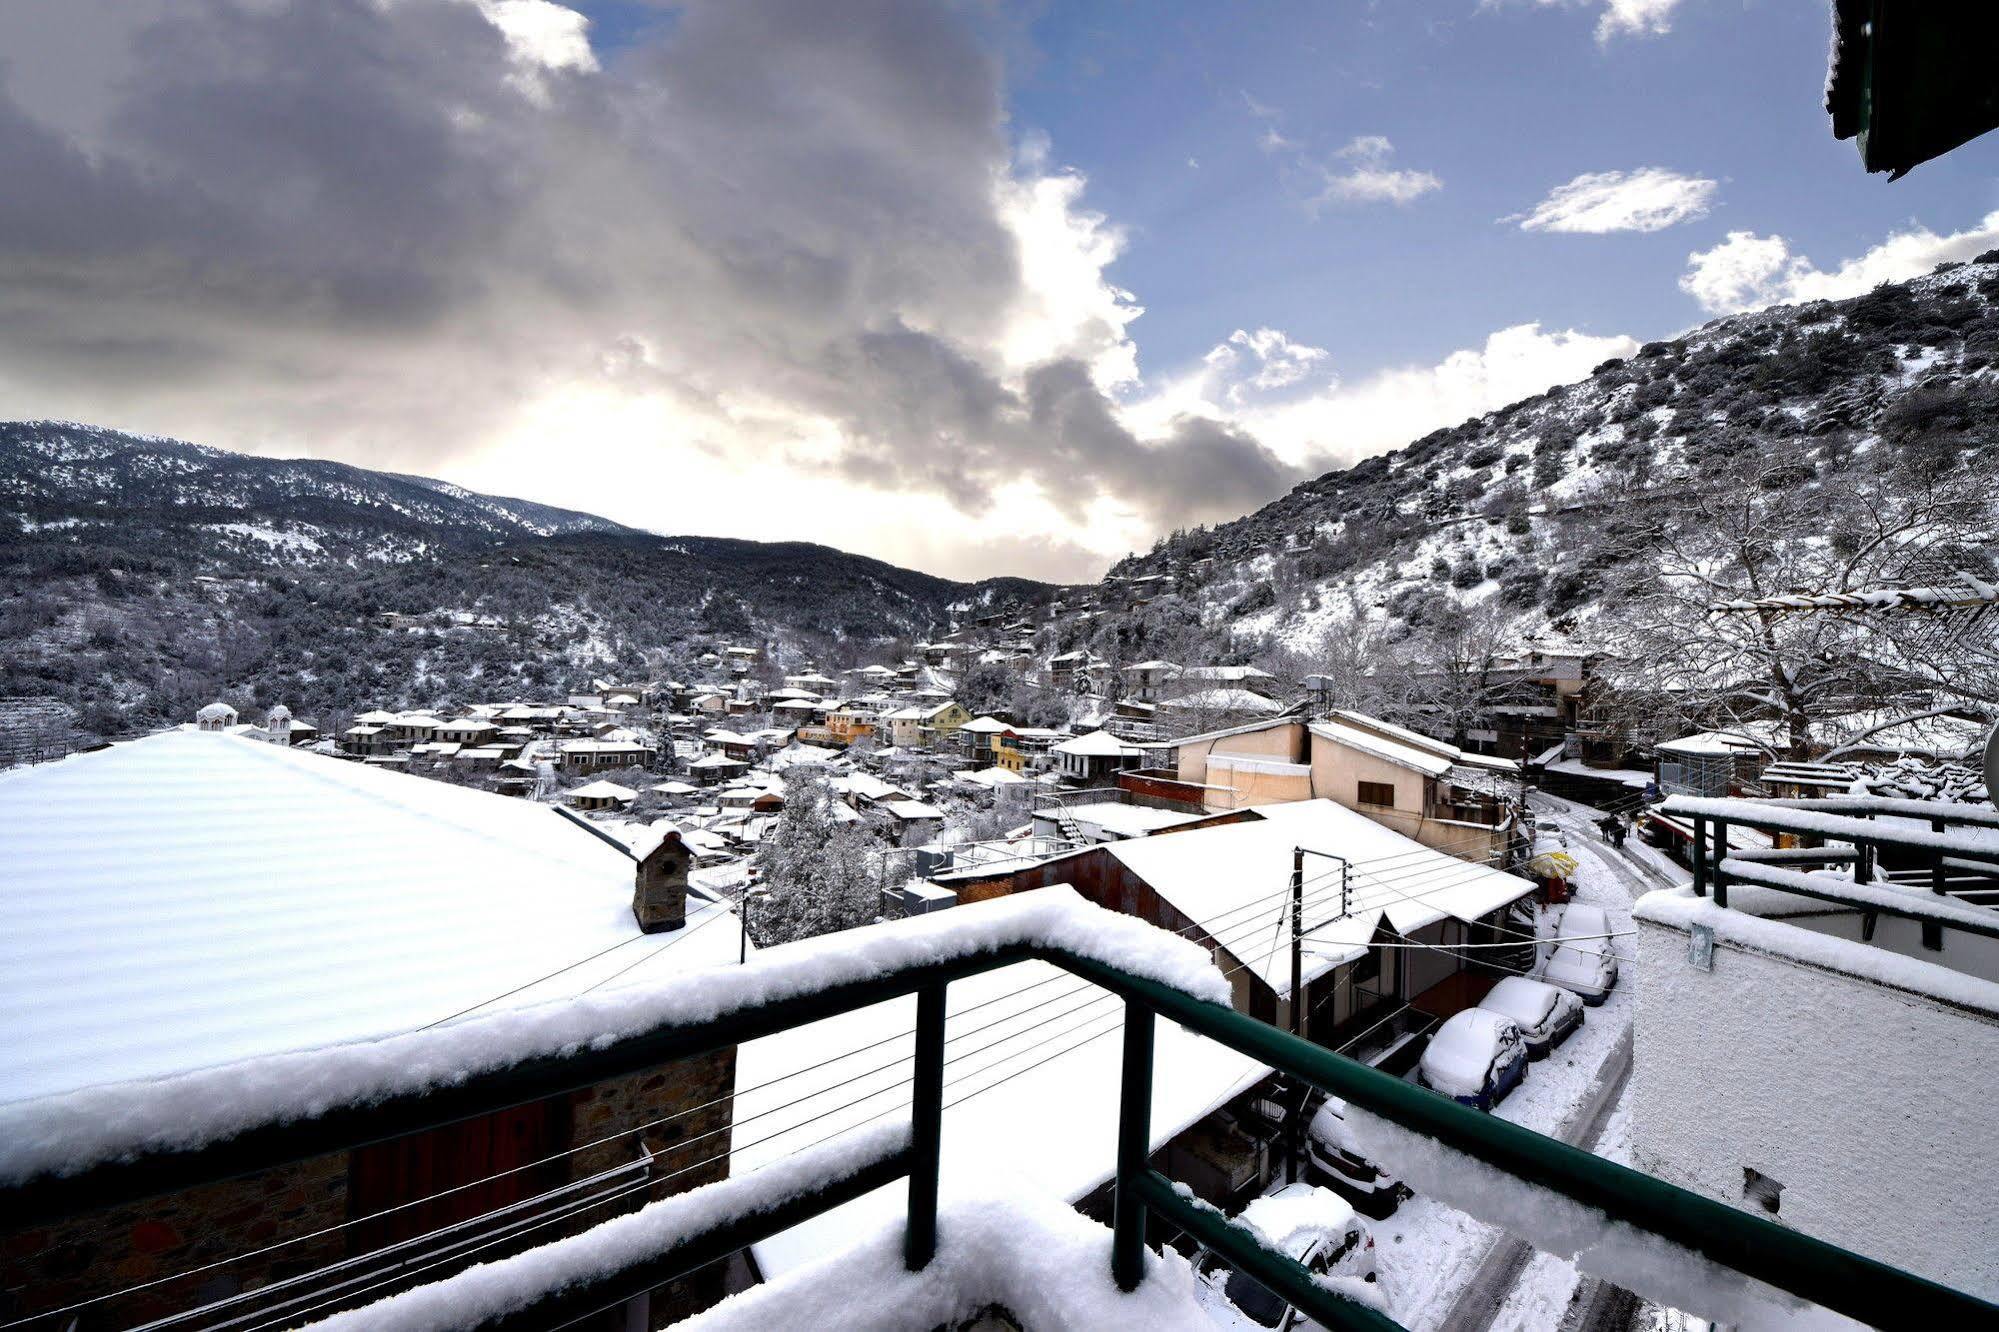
x: 1825, y: 447
x: 144, y: 576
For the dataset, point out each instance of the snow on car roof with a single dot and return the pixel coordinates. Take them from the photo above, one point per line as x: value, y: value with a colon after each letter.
x: 191, y: 898
x: 1295, y: 1216
x: 1525, y: 1001
x: 1464, y: 1046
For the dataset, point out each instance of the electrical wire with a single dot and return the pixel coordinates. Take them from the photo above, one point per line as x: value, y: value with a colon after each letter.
x: 1240, y: 908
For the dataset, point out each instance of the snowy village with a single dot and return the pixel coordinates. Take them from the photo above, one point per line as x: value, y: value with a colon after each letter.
x: 1534, y: 873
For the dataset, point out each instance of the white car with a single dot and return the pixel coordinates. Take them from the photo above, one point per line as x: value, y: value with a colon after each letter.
x: 1475, y: 1058
x: 1331, y: 1149
x: 1584, y: 963
x: 1313, y: 1225
x: 1546, y: 1014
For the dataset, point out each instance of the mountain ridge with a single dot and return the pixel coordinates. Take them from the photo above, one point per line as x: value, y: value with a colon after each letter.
x: 146, y: 572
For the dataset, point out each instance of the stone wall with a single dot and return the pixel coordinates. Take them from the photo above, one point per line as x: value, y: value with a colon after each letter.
x: 50, y: 1267
x: 84, y: 1257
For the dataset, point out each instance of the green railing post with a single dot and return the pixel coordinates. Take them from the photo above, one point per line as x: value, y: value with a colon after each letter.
x: 926, y: 1122
x: 1720, y: 854
x: 1134, y: 1148
x: 1700, y: 856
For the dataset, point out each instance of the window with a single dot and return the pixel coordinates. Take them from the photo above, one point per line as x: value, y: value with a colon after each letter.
x: 1377, y: 793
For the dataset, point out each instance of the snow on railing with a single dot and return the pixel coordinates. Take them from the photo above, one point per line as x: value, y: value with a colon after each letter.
x: 70, y: 1132
x: 712, y: 1217
x: 1683, y: 1239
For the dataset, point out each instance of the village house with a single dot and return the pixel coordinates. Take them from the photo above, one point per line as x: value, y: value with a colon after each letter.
x: 467, y: 731
x: 588, y: 754
x: 1386, y: 919
x: 1251, y: 678
x: 599, y: 795
x: 926, y: 725
x: 1218, y: 705
x: 400, y: 904
x: 1392, y: 775
x: 982, y: 736
x: 1095, y: 759
x: 850, y: 722
x: 1027, y: 749
x: 1148, y: 681
x: 1714, y: 763
x: 713, y: 769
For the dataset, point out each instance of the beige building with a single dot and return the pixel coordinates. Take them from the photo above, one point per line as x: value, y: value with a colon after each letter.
x: 1394, y: 776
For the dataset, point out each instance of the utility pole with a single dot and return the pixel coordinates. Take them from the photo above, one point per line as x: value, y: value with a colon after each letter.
x: 1299, y: 1093
x: 1294, y: 1108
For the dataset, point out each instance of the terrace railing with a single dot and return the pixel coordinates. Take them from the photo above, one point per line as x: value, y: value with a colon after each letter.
x: 1928, y: 831
x: 1807, y: 1268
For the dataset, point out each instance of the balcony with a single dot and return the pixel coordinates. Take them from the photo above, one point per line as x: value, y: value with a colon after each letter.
x: 1029, y: 1258
x: 1832, y: 974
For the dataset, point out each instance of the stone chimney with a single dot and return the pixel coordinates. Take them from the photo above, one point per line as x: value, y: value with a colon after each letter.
x: 659, y: 895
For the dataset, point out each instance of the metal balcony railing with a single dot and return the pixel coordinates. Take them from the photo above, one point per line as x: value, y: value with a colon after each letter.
x: 1810, y: 1269
x: 1954, y: 862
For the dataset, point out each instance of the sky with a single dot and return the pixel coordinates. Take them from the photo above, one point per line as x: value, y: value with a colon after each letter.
x: 978, y: 288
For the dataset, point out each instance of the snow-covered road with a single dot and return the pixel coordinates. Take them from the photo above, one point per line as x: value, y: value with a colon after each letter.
x: 1474, y: 1276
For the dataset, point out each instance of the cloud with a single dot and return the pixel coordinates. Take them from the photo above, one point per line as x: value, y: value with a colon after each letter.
x: 1747, y: 272
x: 1635, y: 18
x: 1620, y: 18
x: 790, y: 249
x: 1648, y: 199
x: 1370, y: 178
x: 1278, y: 361
x: 1343, y: 422
x: 1359, y: 173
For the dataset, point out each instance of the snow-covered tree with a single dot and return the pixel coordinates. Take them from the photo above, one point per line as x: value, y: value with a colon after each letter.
x: 1455, y: 676
x: 1764, y: 522
x: 817, y: 874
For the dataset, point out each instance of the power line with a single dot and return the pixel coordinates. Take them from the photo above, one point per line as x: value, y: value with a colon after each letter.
x: 1223, y: 939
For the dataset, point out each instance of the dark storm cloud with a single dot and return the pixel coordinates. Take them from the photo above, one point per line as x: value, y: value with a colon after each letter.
x: 375, y: 230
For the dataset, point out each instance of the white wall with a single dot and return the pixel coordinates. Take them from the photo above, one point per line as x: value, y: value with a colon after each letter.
x: 1877, y: 1109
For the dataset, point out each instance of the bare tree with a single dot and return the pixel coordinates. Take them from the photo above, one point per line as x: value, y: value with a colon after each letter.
x: 1456, y: 671
x: 1763, y: 524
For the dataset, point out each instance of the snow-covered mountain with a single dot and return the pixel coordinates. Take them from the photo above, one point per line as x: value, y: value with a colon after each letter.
x: 144, y: 575
x: 1553, y: 508
x: 61, y: 472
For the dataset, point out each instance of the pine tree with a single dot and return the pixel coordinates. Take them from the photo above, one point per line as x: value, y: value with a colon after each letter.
x: 817, y: 874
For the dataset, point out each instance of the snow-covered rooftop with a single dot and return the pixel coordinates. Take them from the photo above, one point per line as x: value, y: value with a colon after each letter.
x: 188, y: 899
x: 601, y: 790
x: 1122, y: 820
x: 1400, y: 752
x: 1213, y: 874
x: 1097, y: 744
x: 1224, y: 700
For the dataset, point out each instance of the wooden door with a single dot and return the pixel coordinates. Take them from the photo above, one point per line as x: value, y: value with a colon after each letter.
x: 423, y: 1165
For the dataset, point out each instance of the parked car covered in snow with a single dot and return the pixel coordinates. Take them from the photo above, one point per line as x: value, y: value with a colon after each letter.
x: 1330, y: 1149
x: 1313, y: 1225
x: 1546, y: 1014
x: 1583, y: 962
x: 1475, y: 1058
